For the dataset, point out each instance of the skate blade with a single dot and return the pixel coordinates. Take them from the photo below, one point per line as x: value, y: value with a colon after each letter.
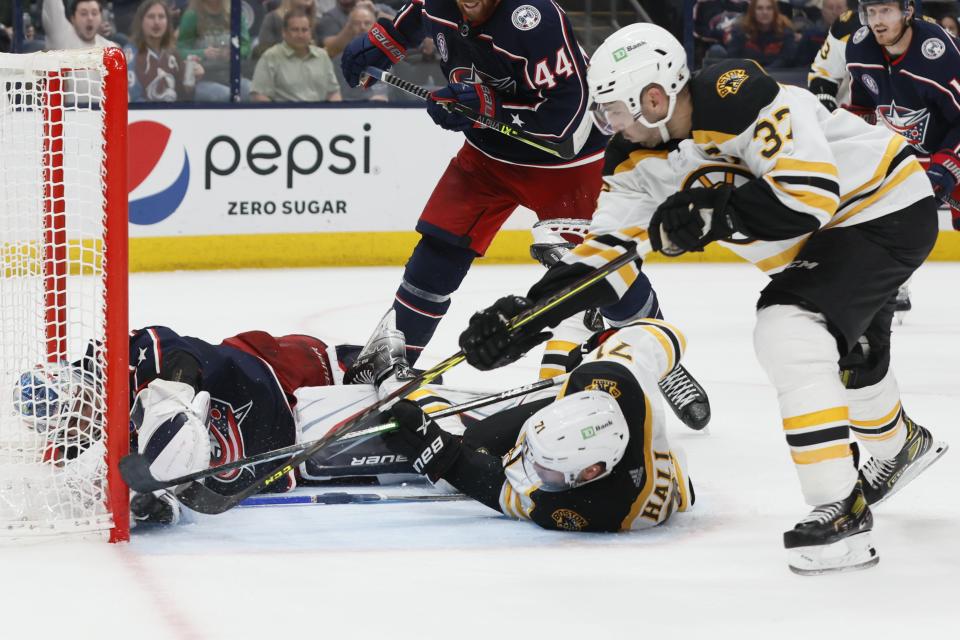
x: 853, y: 553
x: 936, y: 451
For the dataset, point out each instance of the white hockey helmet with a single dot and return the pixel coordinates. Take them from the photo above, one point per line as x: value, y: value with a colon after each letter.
x: 569, y: 435
x: 630, y: 60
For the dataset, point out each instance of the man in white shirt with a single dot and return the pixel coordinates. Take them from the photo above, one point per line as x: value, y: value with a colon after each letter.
x: 78, y: 30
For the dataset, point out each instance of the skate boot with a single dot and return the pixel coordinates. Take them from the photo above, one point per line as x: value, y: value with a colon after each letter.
x: 383, y: 356
x: 686, y: 398
x: 902, y: 304
x: 833, y: 537
x: 883, y: 477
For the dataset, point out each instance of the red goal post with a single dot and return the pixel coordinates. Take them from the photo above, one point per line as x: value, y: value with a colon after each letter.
x: 63, y: 294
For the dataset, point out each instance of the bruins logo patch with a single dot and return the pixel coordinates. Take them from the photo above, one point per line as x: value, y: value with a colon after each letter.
x: 569, y: 520
x: 712, y: 175
x: 730, y: 82
x: 607, y: 386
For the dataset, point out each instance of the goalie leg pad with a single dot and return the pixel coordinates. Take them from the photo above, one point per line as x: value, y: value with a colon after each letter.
x: 433, y: 273
x: 170, y: 422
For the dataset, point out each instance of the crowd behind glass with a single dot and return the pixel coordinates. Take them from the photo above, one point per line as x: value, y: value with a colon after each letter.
x: 289, y: 50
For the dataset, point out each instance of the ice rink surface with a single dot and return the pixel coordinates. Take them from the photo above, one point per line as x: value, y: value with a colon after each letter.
x: 458, y: 570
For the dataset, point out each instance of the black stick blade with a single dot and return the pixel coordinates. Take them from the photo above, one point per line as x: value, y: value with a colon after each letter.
x: 135, y: 471
x: 199, y: 498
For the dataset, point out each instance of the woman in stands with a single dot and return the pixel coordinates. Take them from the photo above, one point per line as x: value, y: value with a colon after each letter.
x: 764, y: 35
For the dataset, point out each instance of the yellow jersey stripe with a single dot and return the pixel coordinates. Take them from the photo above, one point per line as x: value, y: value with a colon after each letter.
x: 815, y: 418
x: 649, y: 481
x: 879, y: 437
x: 792, y: 164
x: 880, y: 421
x: 628, y: 273
x: 910, y: 169
x: 561, y: 345
x: 781, y: 259
x: 681, y: 484
x: 893, y: 148
x: 664, y: 343
x: 550, y: 372
x: 835, y: 452
x: 638, y: 156
x: 420, y: 393
x: 712, y: 137
x: 813, y: 200
x: 681, y: 339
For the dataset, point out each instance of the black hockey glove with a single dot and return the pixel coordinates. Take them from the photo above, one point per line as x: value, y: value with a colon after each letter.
x: 488, y: 342
x: 149, y: 508
x: 381, y: 47
x: 690, y: 220
x: 431, y: 449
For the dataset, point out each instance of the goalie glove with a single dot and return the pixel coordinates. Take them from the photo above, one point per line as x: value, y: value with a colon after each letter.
x: 381, y: 47
x: 690, y: 220
x: 170, y: 422
x: 431, y: 449
x: 488, y: 342
x: 478, y: 97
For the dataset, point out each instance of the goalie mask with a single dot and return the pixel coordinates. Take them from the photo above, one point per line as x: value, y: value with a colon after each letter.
x: 566, y: 439
x: 56, y: 399
x: 629, y: 61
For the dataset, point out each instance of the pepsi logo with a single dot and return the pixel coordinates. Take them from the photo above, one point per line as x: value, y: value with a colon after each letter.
x: 158, y: 172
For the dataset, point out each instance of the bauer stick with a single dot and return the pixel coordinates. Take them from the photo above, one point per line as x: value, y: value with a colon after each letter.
x: 564, y: 150
x: 198, y: 497
x: 135, y: 469
x: 341, y: 497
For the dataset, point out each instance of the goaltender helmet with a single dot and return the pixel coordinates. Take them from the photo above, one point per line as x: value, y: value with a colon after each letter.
x: 574, y: 433
x: 904, y: 5
x: 630, y: 60
x: 54, y: 397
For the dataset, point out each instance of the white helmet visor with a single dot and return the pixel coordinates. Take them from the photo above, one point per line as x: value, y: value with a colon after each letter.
x: 611, y: 117
x: 550, y: 479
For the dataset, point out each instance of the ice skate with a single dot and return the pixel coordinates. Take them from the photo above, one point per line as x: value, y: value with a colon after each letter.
x: 833, y: 537
x: 902, y: 304
x: 383, y: 356
x: 686, y: 397
x: 883, y: 477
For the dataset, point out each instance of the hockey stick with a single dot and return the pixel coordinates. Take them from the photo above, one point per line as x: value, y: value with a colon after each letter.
x: 135, y: 468
x: 195, y: 495
x: 341, y: 497
x: 564, y: 150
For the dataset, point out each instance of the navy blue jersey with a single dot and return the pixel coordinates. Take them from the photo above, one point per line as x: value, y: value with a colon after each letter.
x: 916, y: 94
x: 251, y: 379
x: 527, y: 53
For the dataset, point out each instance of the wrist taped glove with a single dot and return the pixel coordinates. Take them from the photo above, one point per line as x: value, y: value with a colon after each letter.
x: 690, y: 220
x: 489, y: 343
x: 381, y: 47
x: 431, y: 449
x: 478, y: 97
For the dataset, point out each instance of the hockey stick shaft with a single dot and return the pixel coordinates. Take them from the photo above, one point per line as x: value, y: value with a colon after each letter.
x: 132, y: 468
x: 341, y: 497
x: 564, y: 150
x: 200, y: 498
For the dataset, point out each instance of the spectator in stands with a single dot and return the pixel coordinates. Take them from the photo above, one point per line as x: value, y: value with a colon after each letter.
x: 157, y: 71
x: 764, y: 35
x: 811, y: 38
x: 712, y: 21
x: 337, y: 30
x: 360, y: 19
x: 951, y: 24
x: 271, y: 30
x: 295, y: 70
x: 205, y: 33
x: 802, y: 14
x: 77, y: 27
x: 108, y: 29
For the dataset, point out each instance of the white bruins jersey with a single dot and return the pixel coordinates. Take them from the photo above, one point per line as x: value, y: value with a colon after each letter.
x: 650, y: 482
x: 828, y: 72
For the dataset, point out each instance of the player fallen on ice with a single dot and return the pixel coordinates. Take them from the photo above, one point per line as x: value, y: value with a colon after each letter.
x: 870, y: 224
x: 196, y: 405
x: 594, y: 458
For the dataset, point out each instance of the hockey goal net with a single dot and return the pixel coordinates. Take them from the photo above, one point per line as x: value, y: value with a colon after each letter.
x: 63, y: 294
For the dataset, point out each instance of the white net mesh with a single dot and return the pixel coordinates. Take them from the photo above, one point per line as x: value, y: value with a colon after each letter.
x: 52, y: 294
